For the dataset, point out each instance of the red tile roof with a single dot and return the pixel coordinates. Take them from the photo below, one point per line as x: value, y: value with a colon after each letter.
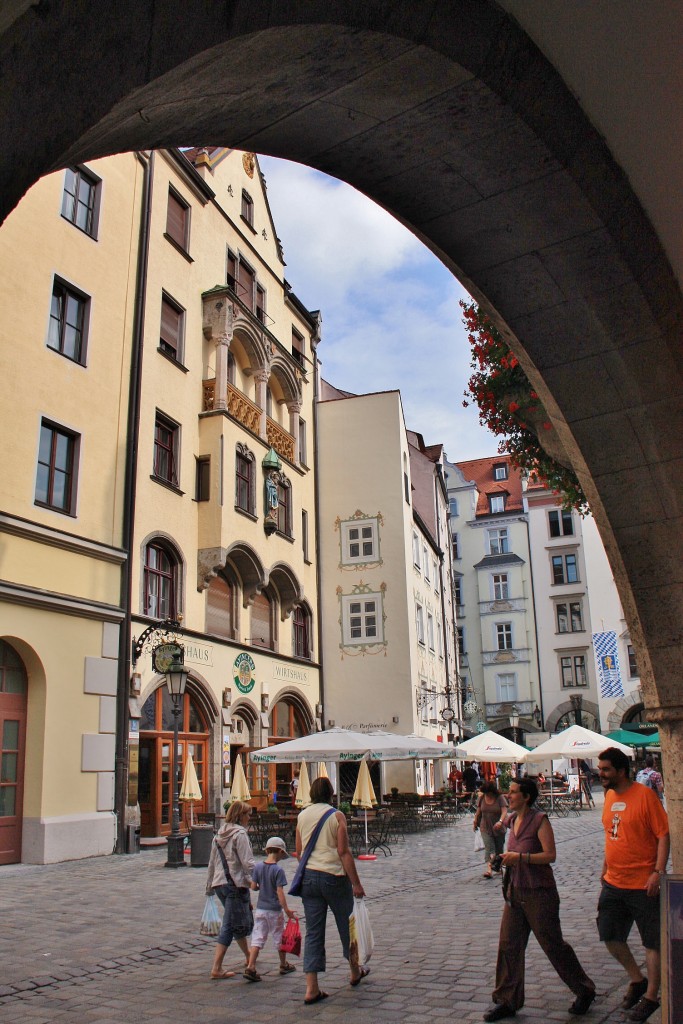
x: 481, y: 472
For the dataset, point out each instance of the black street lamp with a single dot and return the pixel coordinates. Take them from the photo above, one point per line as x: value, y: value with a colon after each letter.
x: 169, y: 659
x: 514, y: 722
x: 577, y: 703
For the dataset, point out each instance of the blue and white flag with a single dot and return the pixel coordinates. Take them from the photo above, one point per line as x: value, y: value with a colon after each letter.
x: 607, y: 658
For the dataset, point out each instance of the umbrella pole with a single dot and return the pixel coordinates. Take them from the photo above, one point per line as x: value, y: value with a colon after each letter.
x: 366, y: 830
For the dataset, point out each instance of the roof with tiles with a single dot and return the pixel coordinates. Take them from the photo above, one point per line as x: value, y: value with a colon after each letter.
x: 481, y: 472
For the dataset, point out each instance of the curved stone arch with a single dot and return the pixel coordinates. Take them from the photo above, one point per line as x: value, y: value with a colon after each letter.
x: 622, y: 708
x: 291, y: 696
x: 566, y: 706
x: 254, y: 343
x: 249, y: 568
x: 290, y: 592
x: 197, y: 686
x: 248, y: 712
x: 287, y: 379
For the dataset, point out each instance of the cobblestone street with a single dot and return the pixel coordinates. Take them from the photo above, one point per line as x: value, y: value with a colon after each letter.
x: 111, y: 939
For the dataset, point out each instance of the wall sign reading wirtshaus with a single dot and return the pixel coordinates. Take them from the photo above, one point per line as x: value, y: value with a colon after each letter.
x: 289, y: 674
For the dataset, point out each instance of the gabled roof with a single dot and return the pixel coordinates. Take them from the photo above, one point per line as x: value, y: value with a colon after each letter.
x: 481, y: 472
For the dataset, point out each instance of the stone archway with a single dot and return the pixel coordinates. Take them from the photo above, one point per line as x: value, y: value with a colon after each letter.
x: 450, y: 117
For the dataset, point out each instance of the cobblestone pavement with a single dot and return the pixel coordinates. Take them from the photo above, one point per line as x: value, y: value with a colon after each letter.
x: 114, y: 938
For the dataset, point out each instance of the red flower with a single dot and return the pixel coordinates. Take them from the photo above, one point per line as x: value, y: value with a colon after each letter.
x: 513, y: 406
x: 547, y: 426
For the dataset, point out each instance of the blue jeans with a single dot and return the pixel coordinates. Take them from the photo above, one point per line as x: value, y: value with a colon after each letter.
x: 321, y: 890
x: 238, y: 919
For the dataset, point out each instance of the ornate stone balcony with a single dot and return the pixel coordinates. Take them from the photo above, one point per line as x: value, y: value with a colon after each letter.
x: 239, y: 406
x: 504, y: 710
x: 280, y: 439
x: 506, y: 657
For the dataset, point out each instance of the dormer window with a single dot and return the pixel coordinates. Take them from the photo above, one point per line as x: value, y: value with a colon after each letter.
x: 500, y: 472
x: 497, y: 502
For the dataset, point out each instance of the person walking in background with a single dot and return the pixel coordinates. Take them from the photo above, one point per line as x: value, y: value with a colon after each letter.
x: 636, y: 851
x: 269, y: 880
x: 294, y: 785
x: 650, y: 777
x: 470, y: 779
x: 532, y: 904
x: 491, y: 809
x: 330, y: 881
x: 229, y: 877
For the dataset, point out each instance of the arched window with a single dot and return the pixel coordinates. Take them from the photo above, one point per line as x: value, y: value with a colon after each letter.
x: 269, y: 402
x: 160, y: 581
x: 262, y: 622
x: 301, y: 626
x: 221, y: 608
x: 286, y: 721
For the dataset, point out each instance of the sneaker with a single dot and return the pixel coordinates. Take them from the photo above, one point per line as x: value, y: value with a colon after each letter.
x: 633, y: 993
x: 643, y: 1009
x: 583, y: 1002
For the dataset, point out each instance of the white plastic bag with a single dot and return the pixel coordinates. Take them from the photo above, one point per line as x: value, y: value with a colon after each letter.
x: 478, y: 841
x: 212, y: 916
x: 362, y: 941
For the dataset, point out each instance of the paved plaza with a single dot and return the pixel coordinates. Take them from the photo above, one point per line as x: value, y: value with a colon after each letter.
x: 112, y: 939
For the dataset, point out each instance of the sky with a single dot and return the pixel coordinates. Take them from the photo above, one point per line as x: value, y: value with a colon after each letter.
x: 391, y: 318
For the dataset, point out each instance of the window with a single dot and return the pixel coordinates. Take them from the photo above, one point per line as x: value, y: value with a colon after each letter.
x: 425, y: 561
x: 80, y: 199
x: 564, y: 569
x: 439, y: 638
x: 506, y: 686
x: 501, y: 588
x: 500, y: 472
x: 171, y: 329
x: 416, y: 551
x: 284, y: 507
x: 406, y: 483
x: 302, y: 442
x: 298, y: 348
x: 435, y: 567
x: 246, y: 283
x: 231, y: 271
x: 455, y: 537
x: 56, y: 475
x: 498, y: 542
x: 453, y: 507
x: 260, y: 304
x: 573, y: 668
x: 263, y: 622
x: 362, y: 618
x: 419, y: 624
x: 203, y: 478
x: 247, y: 208
x: 301, y: 633
x: 178, y: 220
x: 221, y: 608
x: 245, y: 490
x: 457, y: 591
x: 66, y: 333
x: 430, y: 631
x: 569, y: 618
x: 304, y: 534
x: 161, y: 582
x: 359, y: 540
x: 504, y: 636
x: 560, y: 523
x: 269, y: 402
x: 460, y: 630
x: 231, y: 368
x: 497, y: 502
x: 166, y: 441
x: 632, y: 665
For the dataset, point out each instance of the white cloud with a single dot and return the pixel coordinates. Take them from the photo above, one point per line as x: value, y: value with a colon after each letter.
x: 391, y: 318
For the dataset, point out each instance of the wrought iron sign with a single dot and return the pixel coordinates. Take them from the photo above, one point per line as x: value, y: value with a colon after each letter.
x: 160, y: 634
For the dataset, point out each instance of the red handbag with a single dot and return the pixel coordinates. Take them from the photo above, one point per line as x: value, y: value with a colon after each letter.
x: 291, y: 938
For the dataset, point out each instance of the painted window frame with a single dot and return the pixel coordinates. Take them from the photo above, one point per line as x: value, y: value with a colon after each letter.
x: 63, y: 292
x: 92, y: 207
x: 69, y: 471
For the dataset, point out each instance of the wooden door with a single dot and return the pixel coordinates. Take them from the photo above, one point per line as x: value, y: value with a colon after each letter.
x: 13, y: 704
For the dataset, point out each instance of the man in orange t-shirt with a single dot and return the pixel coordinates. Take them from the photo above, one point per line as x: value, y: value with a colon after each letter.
x: 636, y: 852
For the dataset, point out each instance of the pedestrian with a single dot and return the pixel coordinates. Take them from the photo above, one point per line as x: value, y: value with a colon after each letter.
x: 491, y: 809
x: 330, y: 881
x: 294, y: 785
x: 636, y: 851
x: 231, y: 863
x: 650, y: 777
x: 532, y: 904
x: 269, y: 880
x: 470, y: 778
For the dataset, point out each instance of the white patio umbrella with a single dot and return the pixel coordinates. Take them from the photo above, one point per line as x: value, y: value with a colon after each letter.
x: 322, y: 770
x: 303, y: 790
x: 491, y: 746
x: 345, y: 745
x: 239, y: 789
x: 575, y: 742
x: 190, y: 790
x: 364, y: 797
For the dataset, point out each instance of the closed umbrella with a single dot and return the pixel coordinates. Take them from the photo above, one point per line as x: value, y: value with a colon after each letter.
x: 239, y: 789
x: 303, y: 790
x: 322, y: 770
x: 190, y: 790
x: 364, y: 797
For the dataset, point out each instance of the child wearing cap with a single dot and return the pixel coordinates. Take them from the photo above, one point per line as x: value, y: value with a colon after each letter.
x: 269, y: 879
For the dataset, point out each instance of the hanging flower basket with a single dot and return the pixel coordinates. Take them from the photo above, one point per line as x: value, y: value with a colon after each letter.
x: 509, y: 407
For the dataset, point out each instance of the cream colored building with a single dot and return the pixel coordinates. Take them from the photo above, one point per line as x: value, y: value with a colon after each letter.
x: 386, y: 606
x: 155, y: 286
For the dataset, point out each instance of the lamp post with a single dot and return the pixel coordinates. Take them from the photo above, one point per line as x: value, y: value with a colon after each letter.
x: 514, y: 722
x: 169, y: 659
x: 577, y: 703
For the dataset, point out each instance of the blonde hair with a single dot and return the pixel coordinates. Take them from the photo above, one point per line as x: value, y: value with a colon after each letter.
x: 236, y: 810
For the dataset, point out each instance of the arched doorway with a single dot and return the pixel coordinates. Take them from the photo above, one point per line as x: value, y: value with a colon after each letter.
x: 13, y: 701
x: 155, y: 792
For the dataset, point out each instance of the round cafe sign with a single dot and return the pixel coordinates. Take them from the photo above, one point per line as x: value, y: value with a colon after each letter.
x: 244, y: 669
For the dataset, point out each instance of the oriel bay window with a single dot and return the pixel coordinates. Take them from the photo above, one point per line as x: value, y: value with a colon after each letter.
x: 501, y: 589
x: 245, y: 491
x: 160, y: 581
x: 504, y: 636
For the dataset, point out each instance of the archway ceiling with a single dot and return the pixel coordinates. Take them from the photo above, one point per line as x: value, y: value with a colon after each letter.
x: 449, y: 116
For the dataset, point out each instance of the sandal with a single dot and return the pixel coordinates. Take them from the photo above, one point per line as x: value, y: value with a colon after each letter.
x: 251, y: 974
x: 223, y: 974
x: 316, y: 999
x: 364, y: 971
x: 287, y: 968
x: 487, y: 874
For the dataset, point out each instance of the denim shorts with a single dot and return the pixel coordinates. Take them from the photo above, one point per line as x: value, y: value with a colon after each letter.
x: 618, y: 909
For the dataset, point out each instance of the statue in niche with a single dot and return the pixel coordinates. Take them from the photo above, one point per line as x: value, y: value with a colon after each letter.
x: 272, y: 502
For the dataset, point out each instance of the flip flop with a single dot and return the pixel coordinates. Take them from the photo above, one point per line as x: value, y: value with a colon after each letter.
x: 316, y: 999
x: 223, y: 974
x: 364, y: 971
